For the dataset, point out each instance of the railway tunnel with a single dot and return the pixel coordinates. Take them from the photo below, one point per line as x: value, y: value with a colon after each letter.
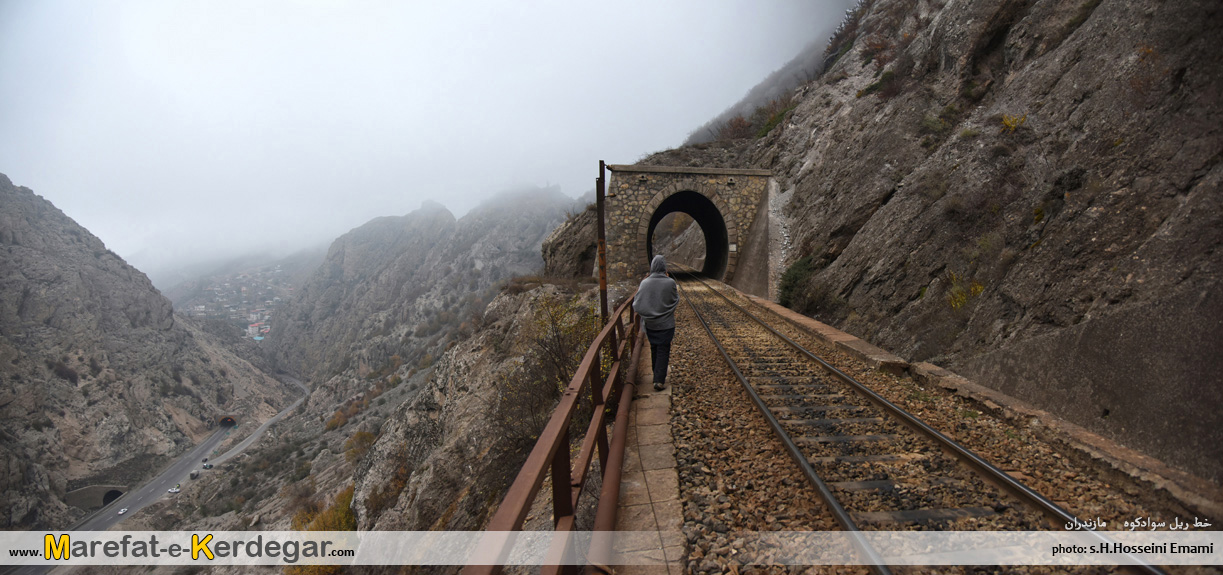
x: 730, y: 205
x: 713, y: 227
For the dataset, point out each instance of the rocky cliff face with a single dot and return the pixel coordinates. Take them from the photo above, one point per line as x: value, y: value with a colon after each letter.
x: 449, y: 442
x: 98, y: 381
x: 1026, y: 191
x: 572, y: 249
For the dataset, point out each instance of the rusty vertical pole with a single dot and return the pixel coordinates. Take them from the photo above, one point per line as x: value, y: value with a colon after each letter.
x: 602, y: 239
x: 601, y: 209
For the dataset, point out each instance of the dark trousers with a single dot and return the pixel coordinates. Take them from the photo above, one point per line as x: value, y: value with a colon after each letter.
x: 660, y: 351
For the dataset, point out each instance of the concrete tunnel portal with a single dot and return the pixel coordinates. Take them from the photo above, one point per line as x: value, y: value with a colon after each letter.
x: 712, y: 224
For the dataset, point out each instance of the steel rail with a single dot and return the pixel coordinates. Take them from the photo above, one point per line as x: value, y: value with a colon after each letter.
x: 965, y: 454
x: 871, y: 556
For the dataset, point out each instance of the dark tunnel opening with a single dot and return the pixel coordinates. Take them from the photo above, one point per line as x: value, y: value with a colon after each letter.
x: 713, y: 226
x: 110, y: 496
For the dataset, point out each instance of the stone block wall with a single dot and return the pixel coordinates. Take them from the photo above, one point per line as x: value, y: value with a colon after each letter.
x: 634, y: 194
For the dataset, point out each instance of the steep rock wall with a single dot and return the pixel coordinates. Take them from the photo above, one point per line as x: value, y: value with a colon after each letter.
x: 1006, y: 187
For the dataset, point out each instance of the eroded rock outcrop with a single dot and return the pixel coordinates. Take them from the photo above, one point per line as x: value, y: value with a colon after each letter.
x: 449, y: 436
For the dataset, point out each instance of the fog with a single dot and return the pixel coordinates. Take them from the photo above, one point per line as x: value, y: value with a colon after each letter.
x: 184, y: 131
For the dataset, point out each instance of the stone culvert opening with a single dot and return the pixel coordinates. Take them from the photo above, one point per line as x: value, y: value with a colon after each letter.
x: 110, y: 496
x: 711, y: 222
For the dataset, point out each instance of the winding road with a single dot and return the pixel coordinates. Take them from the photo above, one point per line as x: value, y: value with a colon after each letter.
x: 176, y: 473
x: 179, y: 471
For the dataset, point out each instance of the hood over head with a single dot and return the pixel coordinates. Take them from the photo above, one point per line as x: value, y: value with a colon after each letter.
x: 658, y: 265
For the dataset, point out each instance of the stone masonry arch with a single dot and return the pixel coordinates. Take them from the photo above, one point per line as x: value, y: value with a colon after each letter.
x: 727, y: 204
x: 720, y: 234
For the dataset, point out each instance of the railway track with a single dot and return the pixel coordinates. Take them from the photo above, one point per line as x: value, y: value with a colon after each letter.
x: 876, y: 466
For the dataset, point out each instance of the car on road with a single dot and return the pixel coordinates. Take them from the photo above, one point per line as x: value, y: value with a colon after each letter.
x: 173, y: 490
x: 207, y: 466
x: 205, y: 460
x: 122, y: 511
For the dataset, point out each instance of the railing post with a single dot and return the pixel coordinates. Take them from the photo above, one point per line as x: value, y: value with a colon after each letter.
x: 597, y: 403
x: 562, y: 490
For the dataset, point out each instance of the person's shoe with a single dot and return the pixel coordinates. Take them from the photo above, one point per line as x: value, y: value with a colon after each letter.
x: 658, y: 385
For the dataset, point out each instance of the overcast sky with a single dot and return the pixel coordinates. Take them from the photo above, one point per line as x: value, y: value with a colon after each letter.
x: 179, y: 131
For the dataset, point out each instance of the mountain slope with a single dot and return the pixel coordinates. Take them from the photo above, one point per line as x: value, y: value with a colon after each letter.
x: 402, y: 286
x: 98, y: 381
x: 1025, y: 191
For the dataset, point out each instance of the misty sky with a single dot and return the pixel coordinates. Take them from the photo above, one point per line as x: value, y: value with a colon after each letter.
x: 180, y: 131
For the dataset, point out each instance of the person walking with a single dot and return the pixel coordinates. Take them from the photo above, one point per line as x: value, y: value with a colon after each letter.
x: 655, y: 302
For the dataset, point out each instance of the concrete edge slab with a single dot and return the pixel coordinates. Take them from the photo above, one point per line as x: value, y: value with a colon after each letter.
x: 1186, y: 488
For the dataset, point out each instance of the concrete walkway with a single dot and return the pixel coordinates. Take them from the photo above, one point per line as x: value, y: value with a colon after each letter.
x: 649, y: 485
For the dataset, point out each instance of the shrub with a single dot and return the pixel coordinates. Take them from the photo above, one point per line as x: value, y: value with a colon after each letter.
x: 387, y: 494
x: 771, y: 114
x: 793, y: 279
x: 338, y: 420
x: 973, y: 92
x: 847, y: 31
x: 933, y: 186
x: 932, y: 124
x: 560, y: 333
x: 301, y: 472
x: 887, y: 86
x: 960, y: 292
x: 61, y: 370
x: 800, y: 294
x: 954, y: 206
x: 358, y: 445
x: 1012, y: 123
x: 735, y: 128
x: 336, y: 517
x: 878, y: 50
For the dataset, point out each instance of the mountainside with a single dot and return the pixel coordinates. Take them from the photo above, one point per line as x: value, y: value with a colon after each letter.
x: 98, y: 381
x: 403, y: 286
x: 408, y: 369
x: 1026, y: 191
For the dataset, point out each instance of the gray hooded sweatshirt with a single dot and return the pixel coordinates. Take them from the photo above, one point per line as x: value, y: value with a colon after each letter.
x: 657, y: 297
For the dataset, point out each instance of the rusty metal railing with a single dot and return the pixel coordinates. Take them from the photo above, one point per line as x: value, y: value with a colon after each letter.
x: 552, y: 454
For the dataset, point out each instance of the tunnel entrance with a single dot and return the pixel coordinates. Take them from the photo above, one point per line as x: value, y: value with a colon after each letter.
x: 110, y: 496
x: 711, y: 222
x: 228, y: 421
